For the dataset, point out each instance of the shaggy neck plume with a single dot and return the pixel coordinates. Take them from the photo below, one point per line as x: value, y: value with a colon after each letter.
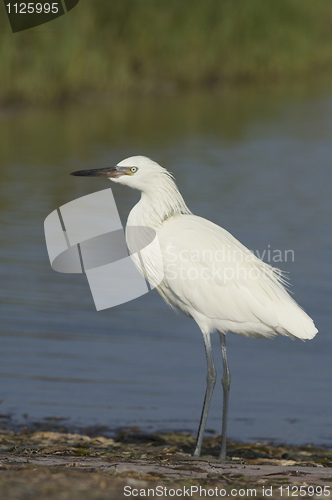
x: 160, y: 200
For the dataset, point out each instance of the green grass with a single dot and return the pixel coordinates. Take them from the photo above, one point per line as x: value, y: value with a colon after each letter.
x: 158, y: 46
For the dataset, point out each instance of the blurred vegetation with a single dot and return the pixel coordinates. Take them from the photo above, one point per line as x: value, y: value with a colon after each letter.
x: 160, y: 46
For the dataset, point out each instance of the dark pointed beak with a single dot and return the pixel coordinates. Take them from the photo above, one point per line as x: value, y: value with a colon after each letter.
x: 99, y: 172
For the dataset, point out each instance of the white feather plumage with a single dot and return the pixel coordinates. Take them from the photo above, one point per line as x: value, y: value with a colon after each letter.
x: 208, y: 274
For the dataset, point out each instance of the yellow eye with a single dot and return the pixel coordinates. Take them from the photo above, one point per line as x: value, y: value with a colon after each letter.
x: 133, y: 170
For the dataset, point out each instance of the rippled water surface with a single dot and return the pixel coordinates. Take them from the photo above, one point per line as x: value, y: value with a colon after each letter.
x: 255, y: 161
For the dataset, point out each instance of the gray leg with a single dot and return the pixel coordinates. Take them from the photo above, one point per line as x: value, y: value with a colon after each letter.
x: 210, y: 383
x: 226, y: 382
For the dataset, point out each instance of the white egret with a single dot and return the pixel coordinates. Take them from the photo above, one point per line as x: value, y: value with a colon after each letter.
x: 208, y: 274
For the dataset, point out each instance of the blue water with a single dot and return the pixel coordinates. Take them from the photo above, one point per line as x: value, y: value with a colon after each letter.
x: 257, y: 163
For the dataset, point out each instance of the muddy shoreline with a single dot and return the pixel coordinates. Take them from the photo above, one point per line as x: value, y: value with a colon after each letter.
x: 48, y: 464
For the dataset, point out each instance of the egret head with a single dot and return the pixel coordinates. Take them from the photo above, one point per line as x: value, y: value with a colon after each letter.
x: 138, y: 172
